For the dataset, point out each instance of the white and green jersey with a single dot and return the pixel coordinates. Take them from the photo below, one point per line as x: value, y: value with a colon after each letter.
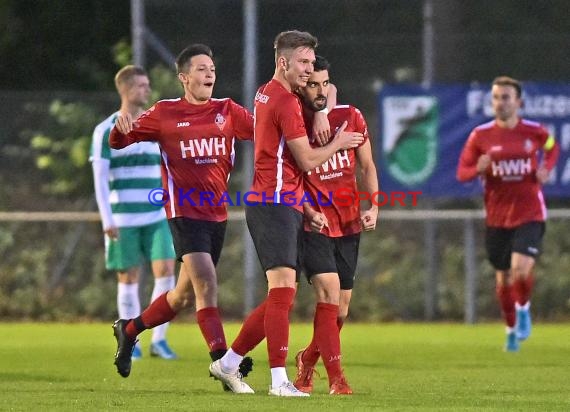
x: 124, y: 178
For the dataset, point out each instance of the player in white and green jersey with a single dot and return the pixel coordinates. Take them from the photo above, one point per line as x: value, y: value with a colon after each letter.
x: 136, y: 230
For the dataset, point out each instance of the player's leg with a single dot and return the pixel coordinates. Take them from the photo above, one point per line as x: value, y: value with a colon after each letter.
x: 523, y: 280
x: 128, y: 300
x: 504, y: 291
x: 326, y: 336
x: 159, y: 250
x: 320, y: 268
x: 344, y: 304
x: 202, y: 273
x: 161, y: 309
x: 527, y: 244
x: 198, y: 244
x: 164, y: 280
x: 157, y: 313
x: 346, y: 254
x: 498, y: 242
x: 277, y: 251
x: 124, y: 255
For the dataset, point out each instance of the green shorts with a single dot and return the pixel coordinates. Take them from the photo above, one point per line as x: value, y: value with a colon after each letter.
x: 139, y: 244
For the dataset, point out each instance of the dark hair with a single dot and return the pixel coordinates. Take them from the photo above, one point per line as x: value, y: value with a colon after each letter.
x: 291, y: 39
x: 321, y: 64
x: 508, y: 81
x: 183, y: 59
x: 126, y: 74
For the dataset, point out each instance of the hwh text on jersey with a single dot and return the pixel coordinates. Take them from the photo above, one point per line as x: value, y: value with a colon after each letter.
x: 512, y: 167
x: 213, y: 146
x: 338, y: 161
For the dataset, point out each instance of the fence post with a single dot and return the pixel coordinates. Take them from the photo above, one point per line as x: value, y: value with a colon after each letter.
x: 470, y: 266
x: 431, y: 270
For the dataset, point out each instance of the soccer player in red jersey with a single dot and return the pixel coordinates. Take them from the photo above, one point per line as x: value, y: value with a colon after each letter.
x: 332, y: 232
x: 282, y: 153
x: 196, y: 135
x: 505, y: 154
x: 134, y: 230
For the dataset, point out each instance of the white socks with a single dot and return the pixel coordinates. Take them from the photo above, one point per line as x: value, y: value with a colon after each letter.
x: 526, y: 306
x: 161, y: 285
x: 128, y: 303
x: 278, y: 377
x: 230, y: 361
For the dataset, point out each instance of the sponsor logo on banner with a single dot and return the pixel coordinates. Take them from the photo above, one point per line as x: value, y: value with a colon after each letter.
x: 410, y: 137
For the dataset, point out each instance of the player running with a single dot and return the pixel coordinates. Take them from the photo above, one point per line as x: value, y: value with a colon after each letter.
x: 505, y: 154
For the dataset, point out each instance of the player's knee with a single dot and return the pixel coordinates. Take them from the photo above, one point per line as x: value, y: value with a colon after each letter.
x: 519, y: 271
x: 181, y: 299
x: 206, y: 288
x: 329, y: 296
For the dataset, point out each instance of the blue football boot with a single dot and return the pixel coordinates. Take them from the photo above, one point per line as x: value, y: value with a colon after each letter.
x: 162, y: 350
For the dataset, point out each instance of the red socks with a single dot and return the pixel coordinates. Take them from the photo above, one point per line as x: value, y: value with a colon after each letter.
x: 211, y: 328
x: 276, y: 323
x: 522, y: 288
x: 157, y: 313
x: 252, y: 332
x: 311, y: 353
x: 505, y: 296
x: 327, y: 337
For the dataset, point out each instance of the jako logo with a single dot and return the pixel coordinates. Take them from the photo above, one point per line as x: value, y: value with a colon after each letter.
x: 182, y: 124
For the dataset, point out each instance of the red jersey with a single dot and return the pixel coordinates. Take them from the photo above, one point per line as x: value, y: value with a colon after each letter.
x: 278, y: 119
x: 513, y: 195
x: 332, y: 186
x: 197, y: 149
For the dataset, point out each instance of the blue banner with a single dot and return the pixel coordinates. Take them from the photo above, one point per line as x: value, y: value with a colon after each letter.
x: 423, y: 131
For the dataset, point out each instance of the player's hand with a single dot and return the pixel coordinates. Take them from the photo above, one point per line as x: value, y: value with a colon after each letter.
x: 124, y: 123
x: 318, y: 221
x: 542, y: 174
x: 348, y: 140
x: 368, y: 218
x: 321, y: 128
x: 483, y: 163
x: 112, y: 232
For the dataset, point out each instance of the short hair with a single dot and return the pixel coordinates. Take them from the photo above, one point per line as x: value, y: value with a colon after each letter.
x: 126, y: 75
x: 290, y: 40
x: 508, y: 81
x: 321, y: 64
x: 183, y: 59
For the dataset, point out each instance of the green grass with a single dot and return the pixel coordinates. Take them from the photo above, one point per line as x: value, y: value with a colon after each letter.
x: 438, y: 367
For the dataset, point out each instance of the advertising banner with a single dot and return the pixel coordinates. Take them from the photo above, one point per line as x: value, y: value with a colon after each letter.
x: 423, y: 130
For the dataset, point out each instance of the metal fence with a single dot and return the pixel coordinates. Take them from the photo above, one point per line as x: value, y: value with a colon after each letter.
x: 394, y: 280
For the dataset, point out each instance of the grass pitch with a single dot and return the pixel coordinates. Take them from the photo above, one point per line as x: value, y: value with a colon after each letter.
x: 400, y: 367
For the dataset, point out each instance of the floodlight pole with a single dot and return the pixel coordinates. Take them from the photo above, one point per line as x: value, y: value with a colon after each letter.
x: 137, y: 32
x: 430, y: 225
x: 249, y: 87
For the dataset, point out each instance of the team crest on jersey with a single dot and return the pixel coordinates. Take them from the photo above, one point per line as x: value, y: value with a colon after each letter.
x: 410, y: 137
x: 528, y: 146
x: 220, y: 121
